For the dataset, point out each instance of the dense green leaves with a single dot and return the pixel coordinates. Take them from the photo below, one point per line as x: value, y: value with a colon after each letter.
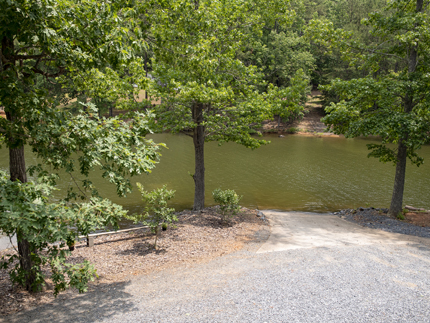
x: 228, y: 201
x: 85, y: 142
x: 375, y: 104
x: 74, y: 47
x: 196, y: 62
x: 392, y: 101
x: 27, y: 212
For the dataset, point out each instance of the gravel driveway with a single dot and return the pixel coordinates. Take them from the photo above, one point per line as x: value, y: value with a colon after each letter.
x: 324, y: 270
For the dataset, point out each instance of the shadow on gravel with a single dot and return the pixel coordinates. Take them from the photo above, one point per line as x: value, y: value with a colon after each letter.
x: 105, y: 301
x: 213, y: 219
x: 142, y: 249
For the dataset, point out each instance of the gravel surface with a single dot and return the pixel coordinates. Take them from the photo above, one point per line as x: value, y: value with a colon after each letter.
x: 197, y: 237
x: 378, y: 219
x: 380, y: 282
x: 343, y: 284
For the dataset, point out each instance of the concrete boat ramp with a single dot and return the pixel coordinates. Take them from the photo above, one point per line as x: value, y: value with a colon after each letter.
x: 295, y: 230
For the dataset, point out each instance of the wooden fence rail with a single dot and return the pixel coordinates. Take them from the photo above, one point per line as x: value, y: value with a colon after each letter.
x: 90, y: 237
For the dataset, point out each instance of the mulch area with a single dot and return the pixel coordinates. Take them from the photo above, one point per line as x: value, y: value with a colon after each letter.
x: 198, y: 237
x: 421, y: 219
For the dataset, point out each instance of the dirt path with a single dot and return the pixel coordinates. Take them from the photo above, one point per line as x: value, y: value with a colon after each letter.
x: 310, y: 124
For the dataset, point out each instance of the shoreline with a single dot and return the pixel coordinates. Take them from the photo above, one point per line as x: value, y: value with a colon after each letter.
x: 415, y: 223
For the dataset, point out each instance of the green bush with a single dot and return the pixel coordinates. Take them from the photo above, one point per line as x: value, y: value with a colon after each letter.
x: 228, y: 201
x: 156, y: 210
x: 26, y: 206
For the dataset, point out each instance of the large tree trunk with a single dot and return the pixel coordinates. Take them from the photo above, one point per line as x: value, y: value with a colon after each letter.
x: 399, y: 180
x: 199, y: 143
x: 18, y: 173
x: 17, y: 170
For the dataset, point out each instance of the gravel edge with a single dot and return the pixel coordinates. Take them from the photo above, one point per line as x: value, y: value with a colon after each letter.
x: 377, y: 218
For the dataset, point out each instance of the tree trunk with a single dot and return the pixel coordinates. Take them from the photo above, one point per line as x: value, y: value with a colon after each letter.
x: 399, y: 181
x: 18, y: 173
x: 17, y: 168
x: 199, y: 143
x: 402, y: 153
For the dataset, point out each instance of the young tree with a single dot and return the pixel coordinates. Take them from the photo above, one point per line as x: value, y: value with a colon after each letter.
x: 207, y: 92
x: 393, y: 103
x: 156, y: 210
x: 87, y: 42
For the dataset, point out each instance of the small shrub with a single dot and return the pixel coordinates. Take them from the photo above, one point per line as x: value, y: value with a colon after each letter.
x: 401, y: 215
x: 293, y: 130
x: 156, y: 210
x: 228, y: 201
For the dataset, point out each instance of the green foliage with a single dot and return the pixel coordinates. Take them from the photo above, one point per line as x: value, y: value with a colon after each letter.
x: 51, y: 52
x: 376, y: 104
x: 345, y: 14
x: 197, y: 62
x: 279, y: 54
x: 293, y: 130
x: 26, y: 211
x: 228, y: 201
x: 116, y: 146
x: 391, y: 99
x: 156, y: 210
x: 294, y: 97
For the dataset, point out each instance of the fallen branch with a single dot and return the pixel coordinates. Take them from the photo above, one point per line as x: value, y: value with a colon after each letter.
x: 411, y: 208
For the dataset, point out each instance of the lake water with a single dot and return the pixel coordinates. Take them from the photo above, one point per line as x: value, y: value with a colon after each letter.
x: 292, y: 173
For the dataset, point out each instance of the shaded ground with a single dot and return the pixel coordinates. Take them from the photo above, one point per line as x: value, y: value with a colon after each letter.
x: 197, y: 238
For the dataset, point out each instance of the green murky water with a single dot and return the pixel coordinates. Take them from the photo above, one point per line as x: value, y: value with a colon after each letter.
x: 291, y: 173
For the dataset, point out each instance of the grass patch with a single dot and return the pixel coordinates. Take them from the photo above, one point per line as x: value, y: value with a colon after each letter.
x: 293, y: 130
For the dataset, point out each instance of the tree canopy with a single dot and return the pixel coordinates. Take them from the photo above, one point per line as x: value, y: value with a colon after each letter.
x: 206, y: 90
x: 84, y: 44
x: 392, y: 100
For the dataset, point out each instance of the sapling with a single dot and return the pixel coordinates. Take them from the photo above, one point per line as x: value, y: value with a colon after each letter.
x: 156, y: 210
x: 228, y: 201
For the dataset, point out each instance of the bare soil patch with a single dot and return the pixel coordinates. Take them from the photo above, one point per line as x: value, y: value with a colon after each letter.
x: 310, y: 124
x: 421, y: 219
x: 198, y: 237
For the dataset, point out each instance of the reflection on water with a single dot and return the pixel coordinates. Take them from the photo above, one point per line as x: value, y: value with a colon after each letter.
x: 291, y: 173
